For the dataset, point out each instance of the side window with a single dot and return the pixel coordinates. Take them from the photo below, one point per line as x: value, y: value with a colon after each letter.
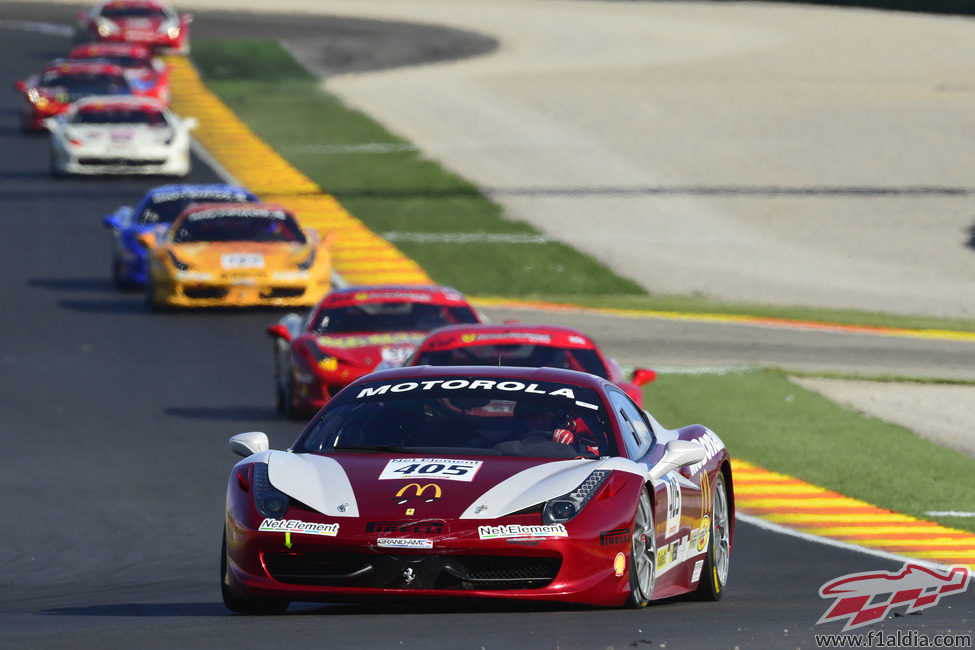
x: 636, y: 433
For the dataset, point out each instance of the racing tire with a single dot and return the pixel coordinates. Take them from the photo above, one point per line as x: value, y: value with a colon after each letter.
x: 643, y: 554
x: 714, y: 576
x: 239, y: 605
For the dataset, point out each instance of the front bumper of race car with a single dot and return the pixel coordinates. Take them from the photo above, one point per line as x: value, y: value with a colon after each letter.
x: 169, y: 161
x: 300, y: 292
x: 308, y: 557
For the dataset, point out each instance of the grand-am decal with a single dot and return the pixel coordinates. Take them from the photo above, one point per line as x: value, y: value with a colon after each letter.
x: 199, y: 195
x: 673, y: 505
x: 517, y: 530
x: 404, y: 542
x: 444, y: 469
x: 712, y: 445
x: 457, y: 384
x: 298, y: 526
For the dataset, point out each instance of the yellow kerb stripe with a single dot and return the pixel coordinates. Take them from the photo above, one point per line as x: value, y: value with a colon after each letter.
x: 359, y: 255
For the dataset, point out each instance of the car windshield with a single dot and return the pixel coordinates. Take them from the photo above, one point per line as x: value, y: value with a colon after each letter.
x: 267, y: 227
x: 120, y: 116
x: 164, y: 207
x: 530, y: 355
x: 390, y: 317
x: 477, y: 416
x: 85, y: 83
x: 123, y: 12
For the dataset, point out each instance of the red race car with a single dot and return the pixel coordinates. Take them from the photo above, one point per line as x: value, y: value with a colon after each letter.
x: 146, y: 22
x: 146, y: 72
x: 522, y: 344
x: 350, y: 332
x: 64, y: 81
x: 462, y: 482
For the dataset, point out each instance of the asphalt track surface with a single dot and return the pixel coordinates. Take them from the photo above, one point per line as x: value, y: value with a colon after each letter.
x: 115, y: 424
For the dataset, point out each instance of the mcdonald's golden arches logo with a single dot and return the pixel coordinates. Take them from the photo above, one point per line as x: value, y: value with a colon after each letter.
x: 418, y: 491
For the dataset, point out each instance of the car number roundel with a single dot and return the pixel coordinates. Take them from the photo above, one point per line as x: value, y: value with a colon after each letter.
x: 445, y: 469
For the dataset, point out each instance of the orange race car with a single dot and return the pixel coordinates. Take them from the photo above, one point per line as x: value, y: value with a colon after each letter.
x: 238, y: 255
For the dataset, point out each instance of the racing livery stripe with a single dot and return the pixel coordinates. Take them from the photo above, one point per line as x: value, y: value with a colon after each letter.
x: 359, y: 255
x: 811, y: 509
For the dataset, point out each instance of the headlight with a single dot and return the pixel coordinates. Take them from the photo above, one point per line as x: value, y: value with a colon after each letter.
x: 106, y: 27
x: 270, y: 501
x: 321, y: 360
x: 563, y: 508
x: 307, y: 264
x: 178, y: 263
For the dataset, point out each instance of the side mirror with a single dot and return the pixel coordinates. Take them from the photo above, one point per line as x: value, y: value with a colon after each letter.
x: 147, y: 239
x: 50, y: 123
x: 643, y: 376
x: 190, y: 123
x: 247, y: 444
x: 186, y: 19
x: 678, y: 453
x: 279, y: 331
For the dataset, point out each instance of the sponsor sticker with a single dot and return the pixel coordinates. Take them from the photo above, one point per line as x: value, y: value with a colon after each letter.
x: 617, y: 536
x: 298, y: 526
x: 696, y: 574
x: 444, y: 469
x: 470, y: 384
x: 404, y: 542
x: 242, y: 261
x: 516, y: 530
x: 619, y: 565
x: 673, y: 504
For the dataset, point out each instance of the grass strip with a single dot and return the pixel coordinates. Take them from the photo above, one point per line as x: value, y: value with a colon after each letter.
x: 767, y: 420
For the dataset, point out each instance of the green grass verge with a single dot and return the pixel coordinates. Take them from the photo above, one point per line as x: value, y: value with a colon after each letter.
x: 764, y: 418
x: 401, y: 191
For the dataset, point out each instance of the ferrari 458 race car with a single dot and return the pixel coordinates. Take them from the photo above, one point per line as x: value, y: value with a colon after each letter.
x: 236, y: 255
x: 523, y: 344
x: 145, y: 22
x: 147, y: 73
x: 155, y: 212
x: 52, y: 91
x: 510, y: 483
x: 120, y: 135
x: 350, y: 332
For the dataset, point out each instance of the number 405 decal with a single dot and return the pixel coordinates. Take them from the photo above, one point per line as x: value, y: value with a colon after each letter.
x: 446, y: 469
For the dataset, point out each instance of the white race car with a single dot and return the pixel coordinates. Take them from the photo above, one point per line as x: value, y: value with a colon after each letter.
x: 120, y: 135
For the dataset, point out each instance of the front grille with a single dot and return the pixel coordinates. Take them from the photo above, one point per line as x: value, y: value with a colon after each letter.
x: 284, y: 292
x: 390, y: 571
x: 201, y: 293
x: 121, y: 162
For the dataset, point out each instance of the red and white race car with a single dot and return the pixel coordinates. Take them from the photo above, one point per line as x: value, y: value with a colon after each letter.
x: 145, y: 22
x: 350, y: 332
x: 146, y: 72
x: 459, y: 482
x: 525, y: 344
x: 63, y: 82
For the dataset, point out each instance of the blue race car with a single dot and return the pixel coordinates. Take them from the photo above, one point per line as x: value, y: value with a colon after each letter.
x: 155, y: 212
